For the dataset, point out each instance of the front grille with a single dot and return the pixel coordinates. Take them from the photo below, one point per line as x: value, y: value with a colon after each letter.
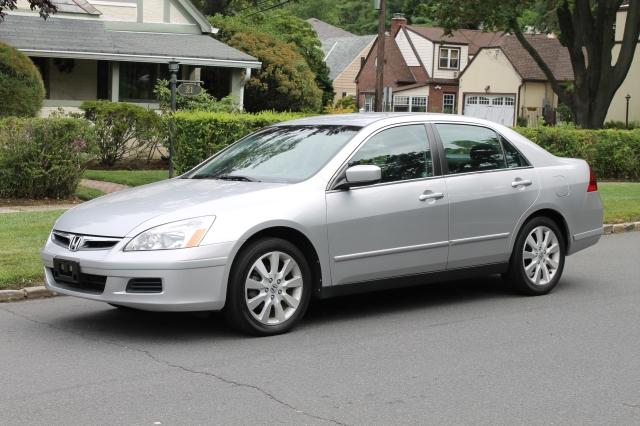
x: 88, y: 242
x: 87, y: 283
x: 144, y: 285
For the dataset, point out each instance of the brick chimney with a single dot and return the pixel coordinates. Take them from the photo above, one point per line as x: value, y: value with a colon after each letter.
x: 397, y: 21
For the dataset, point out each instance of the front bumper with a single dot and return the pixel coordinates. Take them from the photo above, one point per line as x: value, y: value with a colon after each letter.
x: 192, y: 279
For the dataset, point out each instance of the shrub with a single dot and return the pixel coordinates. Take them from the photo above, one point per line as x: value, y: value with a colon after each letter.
x: 614, y: 124
x: 123, y: 131
x: 344, y: 105
x: 613, y: 154
x: 43, y: 157
x: 203, y: 102
x: 201, y: 134
x: 21, y: 87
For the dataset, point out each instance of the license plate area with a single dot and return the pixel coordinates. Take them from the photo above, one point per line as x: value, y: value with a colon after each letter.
x: 66, y: 271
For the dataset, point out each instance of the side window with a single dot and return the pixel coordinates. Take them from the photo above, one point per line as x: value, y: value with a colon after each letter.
x: 401, y: 152
x: 514, y: 158
x: 471, y: 148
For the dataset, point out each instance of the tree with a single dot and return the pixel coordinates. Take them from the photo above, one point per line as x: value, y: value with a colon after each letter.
x: 286, y: 80
x: 21, y: 87
x: 46, y: 7
x: 585, y: 27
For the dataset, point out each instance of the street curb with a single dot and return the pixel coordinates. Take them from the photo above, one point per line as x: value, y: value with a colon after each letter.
x: 28, y: 293
x: 39, y: 292
x: 619, y: 228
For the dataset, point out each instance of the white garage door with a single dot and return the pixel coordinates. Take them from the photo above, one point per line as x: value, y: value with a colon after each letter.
x: 496, y: 108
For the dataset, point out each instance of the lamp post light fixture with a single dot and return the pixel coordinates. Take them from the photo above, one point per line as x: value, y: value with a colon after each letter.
x: 628, y: 98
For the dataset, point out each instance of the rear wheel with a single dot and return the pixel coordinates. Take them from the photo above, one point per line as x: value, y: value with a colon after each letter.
x: 538, y: 257
x: 269, y: 288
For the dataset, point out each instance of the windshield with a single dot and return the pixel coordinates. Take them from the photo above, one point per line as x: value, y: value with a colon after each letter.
x: 277, y: 154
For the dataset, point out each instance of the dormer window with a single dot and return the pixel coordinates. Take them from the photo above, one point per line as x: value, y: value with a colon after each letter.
x: 449, y: 58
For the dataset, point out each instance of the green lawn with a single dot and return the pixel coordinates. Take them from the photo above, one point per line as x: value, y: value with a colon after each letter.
x: 127, y: 177
x: 87, y: 194
x: 22, y: 236
x: 621, y: 201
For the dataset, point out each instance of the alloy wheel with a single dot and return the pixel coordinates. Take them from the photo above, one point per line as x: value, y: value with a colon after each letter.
x: 541, y: 255
x: 273, y: 288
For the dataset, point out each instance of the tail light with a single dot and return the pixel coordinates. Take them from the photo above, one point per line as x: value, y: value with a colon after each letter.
x: 593, y: 182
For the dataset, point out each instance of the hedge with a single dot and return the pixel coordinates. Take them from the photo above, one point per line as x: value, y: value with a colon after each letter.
x: 201, y: 134
x: 43, y: 157
x: 21, y: 87
x: 612, y: 153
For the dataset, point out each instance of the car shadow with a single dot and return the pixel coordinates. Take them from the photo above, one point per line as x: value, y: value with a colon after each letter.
x: 117, y: 323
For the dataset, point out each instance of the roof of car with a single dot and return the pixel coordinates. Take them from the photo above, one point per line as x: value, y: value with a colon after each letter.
x: 361, y: 119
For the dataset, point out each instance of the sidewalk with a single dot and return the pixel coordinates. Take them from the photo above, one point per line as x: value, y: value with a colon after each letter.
x: 106, y: 187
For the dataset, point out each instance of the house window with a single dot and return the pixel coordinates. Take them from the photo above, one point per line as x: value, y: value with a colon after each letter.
x: 138, y: 79
x: 510, y: 100
x: 368, y: 102
x: 401, y: 103
x: 483, y: 100
x: 410, y: 103
x: 472, y: 100
x: 419, y: 104
x: 497, y: 101
x: 449, y: 103
x: 449, y: 58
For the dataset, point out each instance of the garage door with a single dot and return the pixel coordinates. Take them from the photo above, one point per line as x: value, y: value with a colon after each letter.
x: 496, y: 108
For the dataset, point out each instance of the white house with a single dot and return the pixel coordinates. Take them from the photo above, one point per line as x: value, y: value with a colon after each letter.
x: 117, y: 49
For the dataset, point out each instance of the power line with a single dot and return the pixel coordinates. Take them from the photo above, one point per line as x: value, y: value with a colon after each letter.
x: 259, y: 3
x: 269, y: 8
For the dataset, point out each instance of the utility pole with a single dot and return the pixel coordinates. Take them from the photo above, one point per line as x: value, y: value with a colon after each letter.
x: 379, y: 99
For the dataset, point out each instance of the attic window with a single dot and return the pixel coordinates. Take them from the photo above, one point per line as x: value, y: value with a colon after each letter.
x: 449, y: 58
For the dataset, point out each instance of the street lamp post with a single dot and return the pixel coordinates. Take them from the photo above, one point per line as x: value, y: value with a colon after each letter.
x: 173, y: 71
x: 628, y: 98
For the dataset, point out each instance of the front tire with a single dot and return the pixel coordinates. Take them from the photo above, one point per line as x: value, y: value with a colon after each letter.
x: 269, y: 288
x: 538, y: 257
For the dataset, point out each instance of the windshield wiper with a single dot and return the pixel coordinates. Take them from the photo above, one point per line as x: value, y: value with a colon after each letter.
x: 236, y: 177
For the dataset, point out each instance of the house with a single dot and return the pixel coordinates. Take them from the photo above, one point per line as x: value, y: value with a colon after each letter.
x: 631, y: 85
x: 343, y: 53
x: 503, y: 82
x: 116, y: 50
x: 422, y: 66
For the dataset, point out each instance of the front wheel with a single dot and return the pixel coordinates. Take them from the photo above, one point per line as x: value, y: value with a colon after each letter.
x: 269, y: 288
x: 538, y: 257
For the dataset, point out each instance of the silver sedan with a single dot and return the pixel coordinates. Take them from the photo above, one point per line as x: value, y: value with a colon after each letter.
x: 330, y: 205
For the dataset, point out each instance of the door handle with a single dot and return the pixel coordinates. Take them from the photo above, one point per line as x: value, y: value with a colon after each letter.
x: 431, y: 196
x: 521, y: 182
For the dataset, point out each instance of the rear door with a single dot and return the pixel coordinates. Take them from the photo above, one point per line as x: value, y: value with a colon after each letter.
x: 398, y: 226
x: 490, y: 185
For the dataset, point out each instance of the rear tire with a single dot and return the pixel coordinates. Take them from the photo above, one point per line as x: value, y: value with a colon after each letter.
x: 269, y: 288
x: 538, y: 256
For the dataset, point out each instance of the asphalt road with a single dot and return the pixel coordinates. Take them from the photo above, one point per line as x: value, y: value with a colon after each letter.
x: 457, y: 353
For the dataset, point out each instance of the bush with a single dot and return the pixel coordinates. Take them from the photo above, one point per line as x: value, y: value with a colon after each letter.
x: 201, y: 134
x: 43, y: 157
x: 621, y: 125
x: 202, y: 102
x: 21, y: 87
x: 123, y: 131
x: 344, y: 105
x: 613, y: 154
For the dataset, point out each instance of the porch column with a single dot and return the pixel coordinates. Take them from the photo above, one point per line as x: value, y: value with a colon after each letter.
x: 115, y: 81
x: 239, y: 78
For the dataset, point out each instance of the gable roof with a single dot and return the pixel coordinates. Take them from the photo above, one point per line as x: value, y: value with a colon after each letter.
x: 475, y: 39
x: 326, y: 31
x: 76, y: 6
x: 553, y: 53
x: 340, y: 52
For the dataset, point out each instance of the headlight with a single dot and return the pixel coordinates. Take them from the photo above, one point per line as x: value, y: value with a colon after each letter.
x: 174, y: 235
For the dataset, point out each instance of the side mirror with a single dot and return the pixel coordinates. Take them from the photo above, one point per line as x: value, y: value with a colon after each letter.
x: 363, y: 175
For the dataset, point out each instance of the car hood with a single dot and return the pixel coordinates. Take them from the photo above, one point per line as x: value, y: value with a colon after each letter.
x: 119, y: 213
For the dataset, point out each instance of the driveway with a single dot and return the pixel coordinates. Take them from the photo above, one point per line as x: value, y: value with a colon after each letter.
x: 463, y: 352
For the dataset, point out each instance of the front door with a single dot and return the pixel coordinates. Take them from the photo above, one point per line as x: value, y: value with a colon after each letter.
x: 490, y: 185
x: 398, y: 226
